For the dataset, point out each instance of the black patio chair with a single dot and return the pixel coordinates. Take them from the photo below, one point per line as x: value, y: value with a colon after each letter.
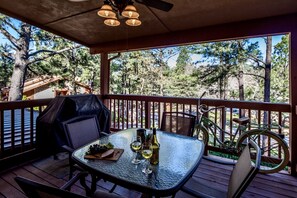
x: 79, y: 131
x: 178, y: 122
x: 243, y: 173
x: 37, y: 190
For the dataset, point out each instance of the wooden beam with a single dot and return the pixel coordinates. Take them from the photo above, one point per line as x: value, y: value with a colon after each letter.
x: 251, y: 28
x: 104, y: 74
x: 293, y: 100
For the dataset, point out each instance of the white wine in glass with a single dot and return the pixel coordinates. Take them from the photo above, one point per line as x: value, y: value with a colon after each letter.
x: 147, y: 153
x: 135, y: 147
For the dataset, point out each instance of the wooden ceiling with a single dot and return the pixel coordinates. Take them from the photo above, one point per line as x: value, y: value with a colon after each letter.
x: 79, y: 21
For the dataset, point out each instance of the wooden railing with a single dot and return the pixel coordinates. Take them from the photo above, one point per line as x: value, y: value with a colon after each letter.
x: 18, y: 119
x: 18, y: 129
x: 130, y: 111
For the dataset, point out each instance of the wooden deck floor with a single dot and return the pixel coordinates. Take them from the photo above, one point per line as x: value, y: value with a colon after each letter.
x: 55, y: 173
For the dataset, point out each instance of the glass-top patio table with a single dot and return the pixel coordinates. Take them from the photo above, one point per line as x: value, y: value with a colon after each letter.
x: 179, y: 157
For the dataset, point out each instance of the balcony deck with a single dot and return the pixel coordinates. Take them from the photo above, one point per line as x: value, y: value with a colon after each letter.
x: 55, y: 173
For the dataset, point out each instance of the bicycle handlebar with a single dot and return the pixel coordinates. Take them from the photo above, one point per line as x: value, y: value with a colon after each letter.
x: 204, y: 109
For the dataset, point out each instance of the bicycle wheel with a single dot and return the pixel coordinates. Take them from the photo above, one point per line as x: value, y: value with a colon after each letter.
x: 274, y: 150
x: 202, y: 134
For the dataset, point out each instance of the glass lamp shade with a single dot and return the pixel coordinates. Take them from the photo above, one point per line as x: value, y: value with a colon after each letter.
x: 106, y: 11
x: 130, y: 12
x: 112, y: 22
x: 133, y: 22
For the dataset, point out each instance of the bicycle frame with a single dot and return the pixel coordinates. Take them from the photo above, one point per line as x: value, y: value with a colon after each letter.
x: 212, y: 127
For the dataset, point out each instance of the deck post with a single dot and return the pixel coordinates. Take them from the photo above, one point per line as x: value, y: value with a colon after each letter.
x: 293, y: 100
x: 104, y: 77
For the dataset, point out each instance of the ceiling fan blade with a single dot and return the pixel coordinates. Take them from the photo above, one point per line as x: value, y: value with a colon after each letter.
x: 158, y: 4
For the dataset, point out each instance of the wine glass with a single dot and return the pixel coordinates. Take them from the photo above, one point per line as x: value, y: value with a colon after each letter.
x: 135, y: 147
x: 147, y: 153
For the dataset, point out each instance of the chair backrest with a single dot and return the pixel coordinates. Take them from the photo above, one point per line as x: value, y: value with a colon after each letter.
x: 245, y: 170
x: 81, y: 130
x: 178, y: 122
x: 36, y: 190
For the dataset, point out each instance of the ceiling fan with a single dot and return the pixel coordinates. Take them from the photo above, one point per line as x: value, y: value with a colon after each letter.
x: 124, y: 8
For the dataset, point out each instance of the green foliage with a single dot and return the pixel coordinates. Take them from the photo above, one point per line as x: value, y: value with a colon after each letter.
x: 219, y: 67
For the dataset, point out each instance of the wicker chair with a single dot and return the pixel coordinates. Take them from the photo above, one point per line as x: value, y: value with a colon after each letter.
x: 178, y: 122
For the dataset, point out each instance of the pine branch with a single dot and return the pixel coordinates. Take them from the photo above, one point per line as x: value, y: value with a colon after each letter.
x: 12, y: 26
x: 8, y: 55
x: 250, y: 74
x: 52, y: 53
x: 41, y: 51
x: 33, y: 71
x: 251, y: 56
x: 9, y: 37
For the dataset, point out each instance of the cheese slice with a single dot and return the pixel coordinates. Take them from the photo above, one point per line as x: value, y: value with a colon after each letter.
x: 108, y: 153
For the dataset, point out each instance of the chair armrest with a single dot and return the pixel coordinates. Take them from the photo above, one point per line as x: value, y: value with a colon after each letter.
x: 68, y: 149
x: 73, y: 180
x: 104, y: 134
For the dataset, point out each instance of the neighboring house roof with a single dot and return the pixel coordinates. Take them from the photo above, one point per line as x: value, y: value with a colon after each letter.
x: 44, y: 80
x: 39, y: 82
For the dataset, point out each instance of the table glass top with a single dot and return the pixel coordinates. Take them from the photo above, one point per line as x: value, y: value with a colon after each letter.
x: 178, y: 156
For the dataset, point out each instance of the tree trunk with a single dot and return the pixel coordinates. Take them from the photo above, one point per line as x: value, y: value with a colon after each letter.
x: 241, y: 85
x: 17, y: 83
x: 20, y: 64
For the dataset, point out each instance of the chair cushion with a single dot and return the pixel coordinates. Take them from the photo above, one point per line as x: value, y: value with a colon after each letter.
x: 241, y: 172
x: 82, y: 132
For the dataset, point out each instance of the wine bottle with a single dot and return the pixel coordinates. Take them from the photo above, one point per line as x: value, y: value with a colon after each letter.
x: 155, y: 147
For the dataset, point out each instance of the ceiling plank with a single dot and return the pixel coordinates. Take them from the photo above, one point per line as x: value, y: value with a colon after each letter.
x: 19, y: 17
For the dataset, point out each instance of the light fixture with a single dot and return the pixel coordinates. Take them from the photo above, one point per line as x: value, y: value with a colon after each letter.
x: 130, y: 12
x: 113, y: 8
x: 112, y: 21
x: 106, y: 11
x: 133, y: 22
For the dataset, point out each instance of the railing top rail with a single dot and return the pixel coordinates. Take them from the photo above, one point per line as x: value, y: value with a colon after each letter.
x: 282, y: 107
x: 23, y: 104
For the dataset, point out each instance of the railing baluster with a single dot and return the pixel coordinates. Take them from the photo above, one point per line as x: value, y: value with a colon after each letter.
x: 31, y: 126
x: 259, y: 122
x: 22, y: 128
x: 159, y: 115
x: 118, y: 113
x: 12, y: 124
x: 136, y: 113
x: 2, y: 130
x: 123, y: 111
x: 142, y: 111
x: 153, y: 114
x: 132, y: 107
x: 231, y: 123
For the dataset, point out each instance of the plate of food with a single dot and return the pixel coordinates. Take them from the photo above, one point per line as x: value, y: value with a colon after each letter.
x: 103, y: 152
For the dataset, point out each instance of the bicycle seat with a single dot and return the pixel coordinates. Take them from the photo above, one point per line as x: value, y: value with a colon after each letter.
x: 241, y: 121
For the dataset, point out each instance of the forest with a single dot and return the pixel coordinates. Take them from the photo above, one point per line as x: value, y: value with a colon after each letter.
x: 251, y: 69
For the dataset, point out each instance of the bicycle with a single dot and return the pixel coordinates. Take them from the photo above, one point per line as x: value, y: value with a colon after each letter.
x: 275, y: 151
